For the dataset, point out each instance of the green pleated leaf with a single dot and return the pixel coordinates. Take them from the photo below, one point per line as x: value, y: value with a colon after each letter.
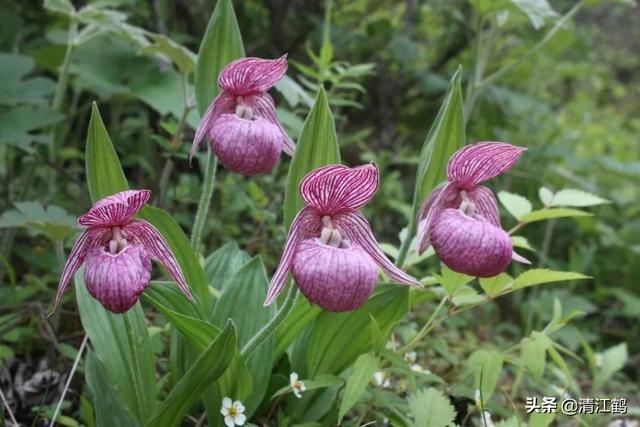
x: 104, y: 173
x: 221, y: 44
x: 245, y: 293
x: 222, y: 264
x: 110, y: 345
x: 105, y: 177
x: 363, y: 370
x: 302, y: 314
x: 208, y: 367
x: 170, y: 296
x: 317, y: 146
x: 446, y: 136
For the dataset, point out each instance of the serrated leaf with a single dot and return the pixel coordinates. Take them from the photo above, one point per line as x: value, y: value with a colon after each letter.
x: 363, y: 369
x: 545, y: 195
x: 534, y: 354
x: 452, y: 281
x: 576, y: 198
x: 538, y: 276
x: 221, y: 44
x: 492, y: 286
x: 521, y: 242
x: 538, y: 11
x: 431, y: 408
x: 517, y: 205
x: 317, y: 146
x: 486, y: 367
x: 542, y: 214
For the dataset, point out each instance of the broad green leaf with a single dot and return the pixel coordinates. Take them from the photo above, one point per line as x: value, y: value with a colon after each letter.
x: 609, y: 362
x: 317, y: 146
x: 64, y: 7
x: 446, y: 136
x: 431, y: 408
x: 492, y: 286
x: 245, y: 293
x: 538, y: 11
x: 221, y: 44
x: 542, y: 214
x: 486, y: 366
x: 534, y: 354
x: 184, y: 59
x: 576, y: 198
x: 453, y: 281
x: 110, y: 345
x: 170, y: 296
x: 16, y: 88
x: 302, y: 314
x: 322, y: 381
x: 517, y: 205
x: 540, y: 419
x: 545, y: 195
x: 363, y: 369
x: 538, y: 276
x: 53, y: 221
x: 222, y: 264
x: 208, y: 367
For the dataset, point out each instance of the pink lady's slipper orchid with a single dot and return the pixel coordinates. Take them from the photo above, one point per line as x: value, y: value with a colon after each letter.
x: 461, y: 218
x: 330, y: 249
x: 241, y: 122
x: 117, y: 251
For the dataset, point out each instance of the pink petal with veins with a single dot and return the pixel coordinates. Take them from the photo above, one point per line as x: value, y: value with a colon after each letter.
x: 246, y: 146
x: 117, y: 280
x: 115, y: 209
x: 470, y: 246
x: 145, y: 234
x: 225, y: 102
x: 263, y: 106
x: 476, y: 163
x: 248, y: 76
x: 334, y: 188
x: 441, y: 198
x: 304, y: 226
x: 486, y: 206
x: 336, y: 279
x: 354, y: 227
x: 89, y: 239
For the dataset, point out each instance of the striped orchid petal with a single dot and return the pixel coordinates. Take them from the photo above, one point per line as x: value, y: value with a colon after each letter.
x: 441, y: 198
x: 225, y: 102
x: 158, y: 248
x: 116, y: 209
x: 477, y: 163
x: 334, y: 188
x: 486, y: 206
x: 248, y: 76
x: 89, y: 239
x: 304, y: 226
x: 355, y: 227
x: 264, y: 106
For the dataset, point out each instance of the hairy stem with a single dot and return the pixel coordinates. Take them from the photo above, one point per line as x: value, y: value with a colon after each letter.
x: 133, y: 353
x: 274, y: 323
x: 205, y: 200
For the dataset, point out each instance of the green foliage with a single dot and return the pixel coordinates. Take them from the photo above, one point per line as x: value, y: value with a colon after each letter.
x: 431, y: 408
x: 363, y: 369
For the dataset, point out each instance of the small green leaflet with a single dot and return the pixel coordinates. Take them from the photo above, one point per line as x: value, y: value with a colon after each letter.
x: 431, y: 408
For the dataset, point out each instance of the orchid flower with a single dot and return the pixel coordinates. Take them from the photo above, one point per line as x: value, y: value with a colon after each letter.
x: 241, y: 122
x: 117, y: 251
x: 461, y: 218
x: 330, y: 249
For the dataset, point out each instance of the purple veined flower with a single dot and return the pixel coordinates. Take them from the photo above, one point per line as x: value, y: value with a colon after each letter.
x: 330, y: 249
x: 117, y: 251
x: 461, y: 219
x: 241, y: 122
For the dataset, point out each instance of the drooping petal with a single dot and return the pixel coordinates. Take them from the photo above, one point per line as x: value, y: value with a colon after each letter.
x: 116, y: 209
x: 247, y: 76
x: 486, y: 206
x: 305, y: 225
x: 519, y: 258
x: 246, y: 146
x: 157, y: 247
x: 476, y: 163
x: 117, y: 280
x: 225, y: 102
x: 336, y: 279
x: 263, y: 106
x: 88, y: 240
x: 354, y: 227
x: 441, y: 198
x: 470, y: 246
x: 334, y: 188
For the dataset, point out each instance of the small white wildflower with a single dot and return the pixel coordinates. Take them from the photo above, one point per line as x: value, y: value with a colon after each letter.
x: 297, y: 386
x: 410, y: 357
x: 381, y: 379
x: 418, y: 368
x: 233, y: 412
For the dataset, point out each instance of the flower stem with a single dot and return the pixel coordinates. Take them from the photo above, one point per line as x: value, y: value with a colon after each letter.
x: 404, y: 246
x: 205, y: 200
x: 426, y: 328
x: 273, y: 324
x: 63, y: 78
x: 133, y: 353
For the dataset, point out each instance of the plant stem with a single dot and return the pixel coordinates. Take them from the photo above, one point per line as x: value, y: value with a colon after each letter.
x: 404, y: 246
x: 274, y: 323
x: 205, y: 200
x: 63, y: 78
x: 426, y: 328
x: 133, y: 353
x: 69, y: 378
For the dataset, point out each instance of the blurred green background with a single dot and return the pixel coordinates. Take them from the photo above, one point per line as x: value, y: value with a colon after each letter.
x: 572, y: 100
